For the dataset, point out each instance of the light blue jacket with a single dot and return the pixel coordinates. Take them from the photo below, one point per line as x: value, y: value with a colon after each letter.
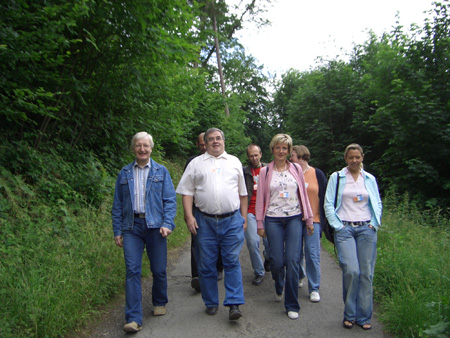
x: 160, y: 199
x: 375, y: 204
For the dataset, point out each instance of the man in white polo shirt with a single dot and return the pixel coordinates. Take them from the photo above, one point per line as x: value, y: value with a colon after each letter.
x: 216, y: 183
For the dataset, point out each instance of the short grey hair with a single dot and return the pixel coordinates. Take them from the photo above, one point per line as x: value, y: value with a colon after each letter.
x: 141, y: 134
x: 212, y: 130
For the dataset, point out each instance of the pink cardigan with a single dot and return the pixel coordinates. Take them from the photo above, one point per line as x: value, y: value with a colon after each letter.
x: 263, y: 195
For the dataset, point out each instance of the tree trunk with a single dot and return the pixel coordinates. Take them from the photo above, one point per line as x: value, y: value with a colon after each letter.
x: 219, y: 63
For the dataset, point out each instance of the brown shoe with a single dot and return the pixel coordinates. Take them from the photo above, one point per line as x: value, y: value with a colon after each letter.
x: 159, y: 311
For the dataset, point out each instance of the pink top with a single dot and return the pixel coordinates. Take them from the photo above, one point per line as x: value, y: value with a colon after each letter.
x: 263, y: 196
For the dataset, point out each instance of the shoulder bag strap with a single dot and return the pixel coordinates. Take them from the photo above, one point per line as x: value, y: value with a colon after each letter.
x: 337, y: 188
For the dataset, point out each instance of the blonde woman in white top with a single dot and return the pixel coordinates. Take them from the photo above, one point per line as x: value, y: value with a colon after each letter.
x: 355, y: 218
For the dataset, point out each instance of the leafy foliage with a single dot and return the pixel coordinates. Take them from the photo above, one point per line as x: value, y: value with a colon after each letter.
x: 392, y: 97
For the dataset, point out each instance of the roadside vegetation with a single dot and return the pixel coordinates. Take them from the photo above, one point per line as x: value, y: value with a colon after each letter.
x: 412, y: 273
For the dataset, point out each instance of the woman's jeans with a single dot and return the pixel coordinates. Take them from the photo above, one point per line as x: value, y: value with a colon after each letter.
x: 133, y: 247
x: 284, y: 235
x: 357, y: 250
x: 311, y: 246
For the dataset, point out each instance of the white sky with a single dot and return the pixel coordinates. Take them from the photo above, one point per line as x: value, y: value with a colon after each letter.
x: 303, y: 30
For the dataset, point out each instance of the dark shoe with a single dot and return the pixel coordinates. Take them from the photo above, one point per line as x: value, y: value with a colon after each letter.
x: 220, y: 275
x: 258, y: 280
x: 235, y: 313
x: 267, y: 265
x: 195, y: 283
x: 211, y: 310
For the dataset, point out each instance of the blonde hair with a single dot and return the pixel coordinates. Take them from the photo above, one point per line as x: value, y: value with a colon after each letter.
x: 281, y: 139
x: 354, y: 146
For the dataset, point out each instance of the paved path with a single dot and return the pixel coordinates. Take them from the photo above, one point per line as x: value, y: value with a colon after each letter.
x: 262, y: 315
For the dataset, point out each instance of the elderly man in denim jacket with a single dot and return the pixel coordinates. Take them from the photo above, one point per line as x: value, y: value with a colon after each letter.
x: 143, y: 215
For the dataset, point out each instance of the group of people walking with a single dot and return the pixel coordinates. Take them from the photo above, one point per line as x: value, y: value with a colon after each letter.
x: 284, y: 204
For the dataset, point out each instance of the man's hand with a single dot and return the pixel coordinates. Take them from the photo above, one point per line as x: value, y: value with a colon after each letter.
x: 191, y: 223
x: 119, y: 241
x: 165, y: 231
x: 245, y: 225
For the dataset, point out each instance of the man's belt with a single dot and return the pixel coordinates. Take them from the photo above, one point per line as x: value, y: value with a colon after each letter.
x: 139, y: 215
x: 228, y: 214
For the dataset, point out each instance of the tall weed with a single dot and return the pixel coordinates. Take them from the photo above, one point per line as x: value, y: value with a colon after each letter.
x: 412, y: 277
x: 56, y: 261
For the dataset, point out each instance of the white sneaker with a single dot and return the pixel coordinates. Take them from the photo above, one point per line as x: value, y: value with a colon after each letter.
x: 300, y: 283
x: 314, y: 297
x: 278, y: 297
x: 293, y: 315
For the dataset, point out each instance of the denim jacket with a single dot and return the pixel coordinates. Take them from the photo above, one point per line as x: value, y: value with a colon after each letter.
x: 160, y: 199
x: 374, y: 199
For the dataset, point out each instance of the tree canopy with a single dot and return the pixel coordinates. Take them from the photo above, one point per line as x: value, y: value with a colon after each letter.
x: 392, y: 97
x: 85, y: 76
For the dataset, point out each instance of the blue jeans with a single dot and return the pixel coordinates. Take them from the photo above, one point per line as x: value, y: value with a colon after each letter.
x: 284, y: 235
x: 252, y: 238
x: 311, y: 245
x: 227, y: 236
x: 134, y: 242
x: 357, y: 251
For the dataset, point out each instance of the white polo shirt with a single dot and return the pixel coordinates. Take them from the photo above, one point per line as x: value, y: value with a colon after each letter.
x: 215, y: 183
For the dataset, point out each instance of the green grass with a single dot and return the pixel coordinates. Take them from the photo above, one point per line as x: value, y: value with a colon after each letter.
x: 57, y: 263
x: 412, y: 273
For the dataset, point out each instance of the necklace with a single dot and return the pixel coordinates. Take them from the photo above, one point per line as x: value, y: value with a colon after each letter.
x: 307, y: 168
x: 281, y: 170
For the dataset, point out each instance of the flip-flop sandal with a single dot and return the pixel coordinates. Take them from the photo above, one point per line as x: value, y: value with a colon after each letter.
x: 366, y: 326
x: 348, y: 324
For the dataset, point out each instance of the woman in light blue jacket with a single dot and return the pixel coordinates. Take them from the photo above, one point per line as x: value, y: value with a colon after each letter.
x: 355, y: 218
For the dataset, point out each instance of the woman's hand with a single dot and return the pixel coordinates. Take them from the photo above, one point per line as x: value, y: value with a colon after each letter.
x: 261, y: 232
x: 310, y: 229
